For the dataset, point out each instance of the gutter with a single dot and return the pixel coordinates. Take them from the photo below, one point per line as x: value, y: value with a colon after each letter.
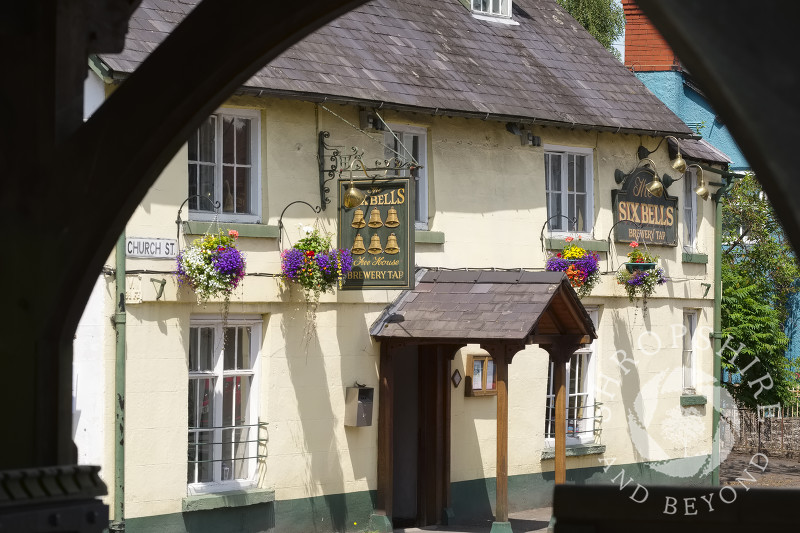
x: 119, y: 320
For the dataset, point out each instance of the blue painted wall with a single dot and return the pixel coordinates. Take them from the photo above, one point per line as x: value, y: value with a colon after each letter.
x: 691, y: 107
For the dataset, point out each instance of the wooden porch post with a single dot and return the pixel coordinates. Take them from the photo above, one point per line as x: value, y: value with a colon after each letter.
x: 381, y: 519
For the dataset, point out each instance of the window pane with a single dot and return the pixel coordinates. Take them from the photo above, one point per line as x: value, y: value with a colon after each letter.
x: 580, y: 173
x: 571, y: 173
x: 490, y: 381
x: 477, y: 374
x: 580, y: 212
x: 201, y: 341
x: 194, y: 186
x: 206, y: 140
x: 242, y: 190
x: 230, y: 349
x: 243, y: 353
x: 235, y: 395
x: 206, y: 188
x: 227, y: 189
x: 200, y: 467
x: 228, y: 139
x: 243, y: 141
x: 555, y: 172
x: 193, y: 144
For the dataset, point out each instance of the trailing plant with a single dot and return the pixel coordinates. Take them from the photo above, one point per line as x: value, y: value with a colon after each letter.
x: 212, y: 266
x: 312, y: 264
x: 639, y: 282
x: 581, y: 266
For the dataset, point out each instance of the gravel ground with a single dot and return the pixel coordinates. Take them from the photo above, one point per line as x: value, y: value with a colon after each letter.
x: 779, y: 472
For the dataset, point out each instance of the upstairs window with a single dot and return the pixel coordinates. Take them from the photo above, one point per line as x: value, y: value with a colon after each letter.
x: 689, y: 210
x: 410, y: 144
x: 498, y: 8
x: 568, y: 183
x: 224, y: 167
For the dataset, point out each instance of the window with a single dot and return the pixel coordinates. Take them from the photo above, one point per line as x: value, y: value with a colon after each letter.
x: 568, y: 183
x: 500, y: 8
x: 224, y: 167
x: 411, y: 144
x: 689, y: 210
x: 223, y: 405
x: 580, y: 396
x: 483, y: 380
x: 688, y: 360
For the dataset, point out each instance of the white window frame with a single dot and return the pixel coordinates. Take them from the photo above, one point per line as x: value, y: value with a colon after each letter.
x: 255, y: 324
x: 585, y: 430
x: 421, y: 183
x: 689, y: 352
x: 689, y: 210
x: 565, y: 151
x: 205, y: 212
x: 494, y: 8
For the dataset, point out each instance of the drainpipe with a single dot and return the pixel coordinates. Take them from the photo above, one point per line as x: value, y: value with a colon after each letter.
x: 119, y: 389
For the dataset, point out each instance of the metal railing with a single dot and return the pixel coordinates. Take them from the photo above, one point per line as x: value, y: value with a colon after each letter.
x: 575, y: 423
x: 213, y: 429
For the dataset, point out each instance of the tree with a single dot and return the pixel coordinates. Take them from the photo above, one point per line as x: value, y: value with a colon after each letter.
x: 759, y: 270
x: 604, y: 19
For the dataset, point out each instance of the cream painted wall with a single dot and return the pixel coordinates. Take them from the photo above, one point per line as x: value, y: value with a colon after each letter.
x: 486, y: 195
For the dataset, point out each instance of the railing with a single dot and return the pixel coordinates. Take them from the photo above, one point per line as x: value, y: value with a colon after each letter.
x: 211, y: 444
x: 577, y: 426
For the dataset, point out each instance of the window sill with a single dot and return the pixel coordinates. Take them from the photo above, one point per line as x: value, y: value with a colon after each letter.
x: 237, y: 498
x: 688, y: 400
x: 262, y: 231
x: 586, y: 244
x: 429, y: 237
x: 700, y: 259
x: 576, y: 451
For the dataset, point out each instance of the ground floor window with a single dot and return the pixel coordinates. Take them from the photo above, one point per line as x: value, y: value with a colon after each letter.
x: 581, y: 408
x: 223, y: 404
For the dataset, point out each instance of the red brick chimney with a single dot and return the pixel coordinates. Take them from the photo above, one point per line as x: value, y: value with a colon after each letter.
x: 645, y: 48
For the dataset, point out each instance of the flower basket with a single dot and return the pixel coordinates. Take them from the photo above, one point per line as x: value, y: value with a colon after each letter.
x: 312, y: 264
x: 641, y: 275
x: 633, y: 267
x: 580, y: 266
x: 212, y: 266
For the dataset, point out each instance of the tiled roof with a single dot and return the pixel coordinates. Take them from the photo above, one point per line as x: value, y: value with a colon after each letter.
x: 699, y: 150
x: 476, y: 306
x: 433, y: 54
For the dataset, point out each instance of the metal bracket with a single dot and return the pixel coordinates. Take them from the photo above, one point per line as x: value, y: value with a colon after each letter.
x: 316, y: 209
x: 214, y: 205
x: 160, y: 291
x: 333, y: 161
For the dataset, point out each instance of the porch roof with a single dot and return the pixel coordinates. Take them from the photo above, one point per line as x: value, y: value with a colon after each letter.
x: 477, y: 307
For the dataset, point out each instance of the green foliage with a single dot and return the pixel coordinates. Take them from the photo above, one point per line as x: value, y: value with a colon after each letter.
x: 752, y: 321
x: 759, y: 270
x: 604, y: 19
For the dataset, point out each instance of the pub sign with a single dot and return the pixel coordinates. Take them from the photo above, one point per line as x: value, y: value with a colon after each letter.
x: 379, y: 233
x: 641, y: 216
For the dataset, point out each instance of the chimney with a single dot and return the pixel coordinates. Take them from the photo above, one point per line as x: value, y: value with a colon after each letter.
x: 645, y: 48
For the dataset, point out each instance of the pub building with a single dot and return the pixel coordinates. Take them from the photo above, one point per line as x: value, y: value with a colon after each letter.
x: 453, y: 148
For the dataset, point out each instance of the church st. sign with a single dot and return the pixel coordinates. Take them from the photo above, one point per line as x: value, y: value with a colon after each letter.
x: 380, y: 234
x: 642, y: 216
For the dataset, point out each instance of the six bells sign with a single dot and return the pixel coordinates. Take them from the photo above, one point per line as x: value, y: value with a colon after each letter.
x: 642, y: 216
x: 379, y: 232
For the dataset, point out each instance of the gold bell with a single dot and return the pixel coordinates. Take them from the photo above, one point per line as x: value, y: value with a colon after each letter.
x: 375, y: 218
x: 358, y: 219
x: 391, y: 244
x: 391, y: 219
x: 358, y: 245
x: 375, y: 245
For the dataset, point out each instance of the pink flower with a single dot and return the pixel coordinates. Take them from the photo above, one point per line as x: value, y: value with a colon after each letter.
x: 569, y: 239
x: 233, y: 233
x: 633, y: 244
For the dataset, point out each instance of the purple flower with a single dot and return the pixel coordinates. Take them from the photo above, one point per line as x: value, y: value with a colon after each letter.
x: 557, y: 264
x: 292, y: 262
x: 230, y: 262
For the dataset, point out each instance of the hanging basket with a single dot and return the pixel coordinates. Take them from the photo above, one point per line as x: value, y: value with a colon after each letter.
x: 634, y: 267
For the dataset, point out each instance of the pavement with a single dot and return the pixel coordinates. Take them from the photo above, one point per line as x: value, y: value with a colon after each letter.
x: 530, y: 521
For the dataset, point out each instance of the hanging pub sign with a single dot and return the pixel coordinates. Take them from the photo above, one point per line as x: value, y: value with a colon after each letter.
x: 641, y: 216
x: 380, y: 234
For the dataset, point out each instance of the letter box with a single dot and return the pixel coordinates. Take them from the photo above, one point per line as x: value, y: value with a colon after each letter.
x: 358, y: 406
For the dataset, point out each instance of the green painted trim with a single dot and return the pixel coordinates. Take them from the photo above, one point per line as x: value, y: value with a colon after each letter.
x: 586, y: 244
x: 688, y: 400
x: 701, y: 259
x: 501, y: 527
x: 237, y: 498
x: 380, y: 523
x: 466, y: 4
x: 100, y: 68
x: 258, y: 231
x: 429, y: 237
x: 576, y: 451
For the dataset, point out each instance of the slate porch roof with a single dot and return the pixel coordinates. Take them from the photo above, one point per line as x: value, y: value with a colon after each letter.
x: 479, y: 306
x: 699, y: 150
x: 433, y: 55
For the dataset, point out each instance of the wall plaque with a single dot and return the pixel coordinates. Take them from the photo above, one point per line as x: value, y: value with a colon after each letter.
x: 380, y: 234
x: 641, y: 216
